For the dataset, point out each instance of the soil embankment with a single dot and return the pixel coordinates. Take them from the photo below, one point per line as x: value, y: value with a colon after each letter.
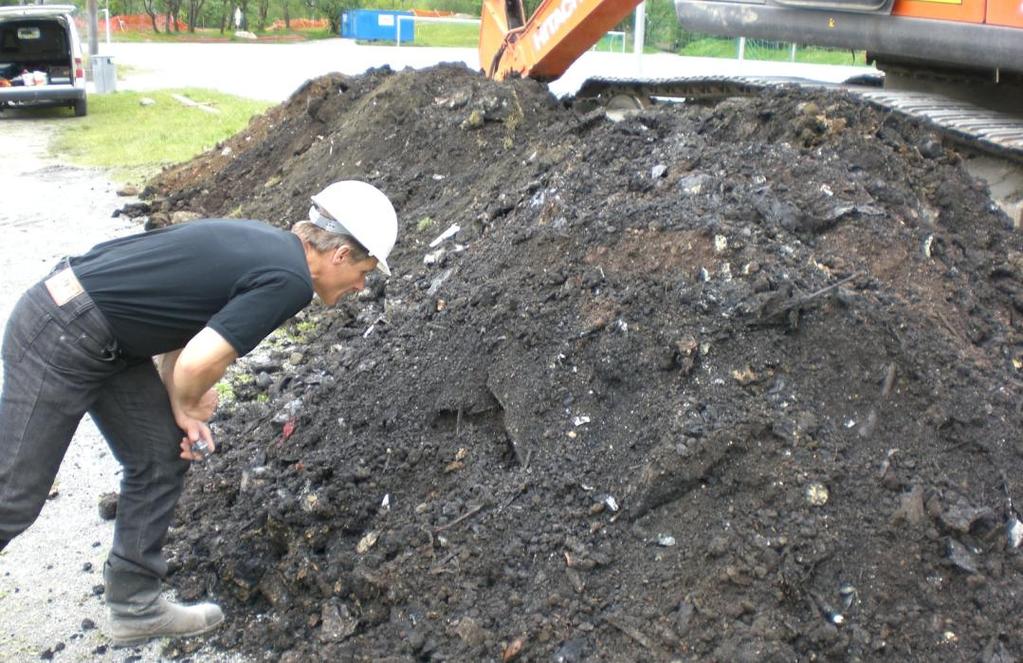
x: 731, y: 382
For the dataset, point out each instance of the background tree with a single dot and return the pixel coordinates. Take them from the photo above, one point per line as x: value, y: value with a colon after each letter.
x: 225, y: 14
x: 150, y: 7
x: 194, y: 11
x: 172, y: 9
x: 332, y: 9
x: 263, y: 8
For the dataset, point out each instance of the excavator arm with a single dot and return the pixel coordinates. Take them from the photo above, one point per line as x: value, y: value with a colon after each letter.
x: 546, y: 44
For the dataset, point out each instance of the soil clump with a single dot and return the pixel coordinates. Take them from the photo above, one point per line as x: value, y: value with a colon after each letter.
x: 734, y: 381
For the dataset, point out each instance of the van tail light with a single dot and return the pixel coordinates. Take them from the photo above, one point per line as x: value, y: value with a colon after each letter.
x: 79, y: 71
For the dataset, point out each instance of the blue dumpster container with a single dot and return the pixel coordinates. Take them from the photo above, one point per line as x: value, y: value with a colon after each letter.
x: 376, y: 25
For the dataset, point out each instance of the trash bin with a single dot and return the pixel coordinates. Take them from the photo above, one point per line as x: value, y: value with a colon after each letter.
x: 104, y: 74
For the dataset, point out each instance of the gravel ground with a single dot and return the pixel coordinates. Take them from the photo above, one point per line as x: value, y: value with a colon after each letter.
x: 48, y: 575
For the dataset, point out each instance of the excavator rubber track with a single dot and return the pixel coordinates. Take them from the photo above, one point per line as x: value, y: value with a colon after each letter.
x: 970, y: 126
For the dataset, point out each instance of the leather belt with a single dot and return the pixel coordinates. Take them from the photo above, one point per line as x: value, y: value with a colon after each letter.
x: 64, y: 286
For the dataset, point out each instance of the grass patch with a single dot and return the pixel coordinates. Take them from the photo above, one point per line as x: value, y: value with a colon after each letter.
x: 135, y: 141
x: 467, y: 35
x: 729, y: 48
x: 461, y: 35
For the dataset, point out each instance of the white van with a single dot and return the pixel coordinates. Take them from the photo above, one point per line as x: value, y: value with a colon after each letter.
x: 41, y: 58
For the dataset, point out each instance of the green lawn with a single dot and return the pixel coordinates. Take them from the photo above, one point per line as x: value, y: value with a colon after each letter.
x: 135, y: 141
x: 458, y: 35
x: 467, y: 35
x: 728, y: 48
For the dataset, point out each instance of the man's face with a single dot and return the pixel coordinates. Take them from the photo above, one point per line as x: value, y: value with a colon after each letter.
x: 342, y: 275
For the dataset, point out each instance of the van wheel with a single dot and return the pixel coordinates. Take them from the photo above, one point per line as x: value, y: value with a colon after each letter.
x: 80, y: 108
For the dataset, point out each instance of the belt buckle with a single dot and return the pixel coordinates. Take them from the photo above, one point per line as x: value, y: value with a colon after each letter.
x: 63, y: 287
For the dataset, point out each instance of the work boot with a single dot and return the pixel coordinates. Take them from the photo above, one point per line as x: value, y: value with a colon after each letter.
x: 164, y: 619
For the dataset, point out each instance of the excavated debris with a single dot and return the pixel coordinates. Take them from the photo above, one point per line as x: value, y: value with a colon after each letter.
x: 725, y: 382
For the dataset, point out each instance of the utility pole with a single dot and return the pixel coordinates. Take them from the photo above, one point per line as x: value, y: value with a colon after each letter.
x: 93, y: 30
x: 640, y: 29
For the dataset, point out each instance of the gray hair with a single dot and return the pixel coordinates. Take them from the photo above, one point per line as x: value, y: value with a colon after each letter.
x: 323, y: 241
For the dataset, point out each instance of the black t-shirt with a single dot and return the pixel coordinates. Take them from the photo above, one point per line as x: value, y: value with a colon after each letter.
x: 158, y: 289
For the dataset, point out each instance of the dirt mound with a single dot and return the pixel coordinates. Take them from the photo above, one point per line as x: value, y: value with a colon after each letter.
x: 730, y: 382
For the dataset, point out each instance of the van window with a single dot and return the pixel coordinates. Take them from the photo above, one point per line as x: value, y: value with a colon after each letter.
x: 38, y: 39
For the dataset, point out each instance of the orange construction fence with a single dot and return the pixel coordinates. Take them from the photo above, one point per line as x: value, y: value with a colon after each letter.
x: 131, y: 23
x: 301, y: 24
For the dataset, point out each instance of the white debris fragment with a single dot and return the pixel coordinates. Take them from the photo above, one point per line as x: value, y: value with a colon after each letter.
x: 1015, y: 530
x: 386, y: 504
x: 434, y: 256
x: 851, y: 423
x: 720, y: 243
x: 927, y: 245
x: 437, y: 177
x: 580, y: 420
x: 837, y: 619
x: 436, y: 283
x: 450, y: 232
x: 817, y: 494
x: 367, y: 542
x: 826, y: 190
x: 611, y: 503
x: 665, y: 540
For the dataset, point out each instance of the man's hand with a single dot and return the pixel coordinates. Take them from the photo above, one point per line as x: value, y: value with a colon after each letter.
x: 195, y: 431
x: 189, y: 375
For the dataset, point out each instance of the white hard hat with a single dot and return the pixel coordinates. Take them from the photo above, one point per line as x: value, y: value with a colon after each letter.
x: 360, y: 210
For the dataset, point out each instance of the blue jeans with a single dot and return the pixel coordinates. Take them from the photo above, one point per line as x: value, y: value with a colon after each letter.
x: 59, y: 363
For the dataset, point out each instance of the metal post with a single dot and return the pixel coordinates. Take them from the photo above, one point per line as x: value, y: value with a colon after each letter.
x: 106, y: 12
x: 792, y: 52
x: 742, y: 49
x: 637, y: 44
x: 93, y: 29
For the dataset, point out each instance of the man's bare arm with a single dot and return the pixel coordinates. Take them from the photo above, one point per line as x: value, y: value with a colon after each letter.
x: 192, y: 371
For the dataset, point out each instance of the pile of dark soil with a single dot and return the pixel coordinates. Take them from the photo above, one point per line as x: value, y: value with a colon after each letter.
x: 732, y: 382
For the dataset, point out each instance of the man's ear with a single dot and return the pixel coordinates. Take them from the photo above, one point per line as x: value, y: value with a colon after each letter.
x: 341, y: 253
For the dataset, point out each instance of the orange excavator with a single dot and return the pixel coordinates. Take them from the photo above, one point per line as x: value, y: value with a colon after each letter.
x: 980, y: 36
x: 970, y: 49
x: 545, y: 44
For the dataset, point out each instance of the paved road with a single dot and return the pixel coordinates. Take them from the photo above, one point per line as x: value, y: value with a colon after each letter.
x: 273, y: 71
